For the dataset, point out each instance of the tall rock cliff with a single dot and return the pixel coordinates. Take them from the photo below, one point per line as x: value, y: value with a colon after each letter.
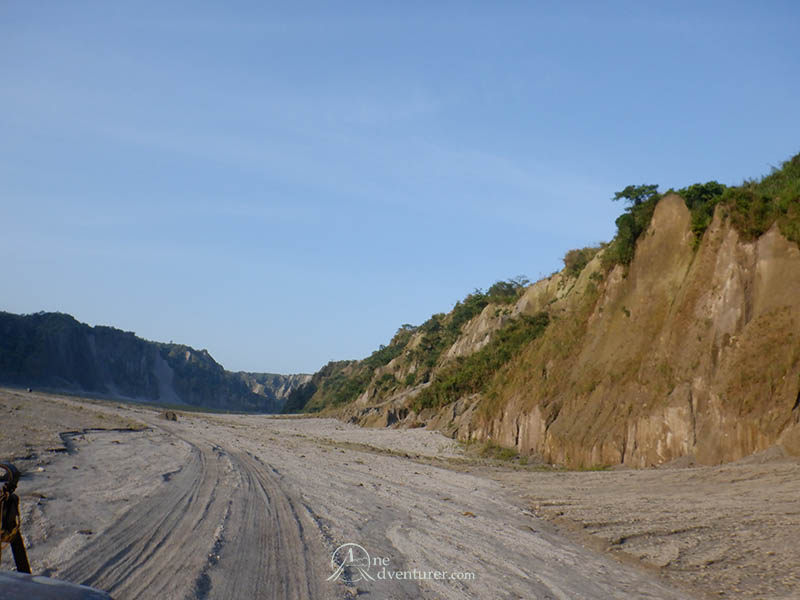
x: 55, y: 351
x: 692, y: 348
x: 687, y: 353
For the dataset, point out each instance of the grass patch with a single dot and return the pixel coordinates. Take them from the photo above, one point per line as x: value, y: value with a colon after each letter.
x: 576, y: 260
x: 471, y: 374
x: 490, y: 450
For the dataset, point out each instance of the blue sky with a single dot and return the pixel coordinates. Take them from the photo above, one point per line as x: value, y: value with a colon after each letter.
x: 286, y: 183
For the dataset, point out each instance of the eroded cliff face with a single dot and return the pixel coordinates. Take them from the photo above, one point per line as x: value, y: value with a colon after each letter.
x: 687, y: 352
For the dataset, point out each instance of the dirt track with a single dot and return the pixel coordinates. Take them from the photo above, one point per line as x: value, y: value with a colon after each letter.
x: 237, y: 507
x: 206, y: 530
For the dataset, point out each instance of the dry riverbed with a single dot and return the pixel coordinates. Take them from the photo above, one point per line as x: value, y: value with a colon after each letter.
x: 232, y: 506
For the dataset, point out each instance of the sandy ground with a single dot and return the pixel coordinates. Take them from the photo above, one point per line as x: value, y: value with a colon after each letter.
x: 730, y: 531
x: 224, y: 506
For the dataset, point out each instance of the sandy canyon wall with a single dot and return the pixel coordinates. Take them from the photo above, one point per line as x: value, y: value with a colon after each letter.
x: 686, y: 352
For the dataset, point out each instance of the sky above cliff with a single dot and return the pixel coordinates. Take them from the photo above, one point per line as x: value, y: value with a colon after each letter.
x: 287, y: 183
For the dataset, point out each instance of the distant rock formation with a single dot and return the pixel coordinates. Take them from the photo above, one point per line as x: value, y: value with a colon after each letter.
x: 54, y: 351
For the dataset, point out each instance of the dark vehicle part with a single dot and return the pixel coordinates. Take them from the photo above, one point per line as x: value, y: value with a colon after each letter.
x: 21, y: 586
x: 9, y: 519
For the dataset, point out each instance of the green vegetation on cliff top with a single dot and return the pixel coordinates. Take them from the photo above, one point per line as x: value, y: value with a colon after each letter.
x: 752, y: 208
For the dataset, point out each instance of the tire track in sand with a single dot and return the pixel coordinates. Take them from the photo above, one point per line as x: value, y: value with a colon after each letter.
x: 151, y: 550
x: 221, y: 527
x: 271, y: 548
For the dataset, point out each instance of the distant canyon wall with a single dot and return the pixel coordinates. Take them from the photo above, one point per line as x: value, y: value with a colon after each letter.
x: 54, y: 351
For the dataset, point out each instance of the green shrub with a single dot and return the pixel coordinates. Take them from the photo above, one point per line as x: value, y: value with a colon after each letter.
x: 440, y: 331
x: 491, y: 450
x: 508, y: 291
x: 339, y: 389
x: 701, y: 199
x: 386, y: 382
x: 464, y: 310
x: 470, y: 374
x: 755, y: 206
x: 637, y: 194
x: 433, y: 341
x: 752, y: 207
x: 631, y: 224
x: 383, y: 355
x: 576, y: 260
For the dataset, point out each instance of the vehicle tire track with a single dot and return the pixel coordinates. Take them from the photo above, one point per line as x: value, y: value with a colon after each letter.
x: 221, y: 527
x: 151, y: 551
x: 272, y: 550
